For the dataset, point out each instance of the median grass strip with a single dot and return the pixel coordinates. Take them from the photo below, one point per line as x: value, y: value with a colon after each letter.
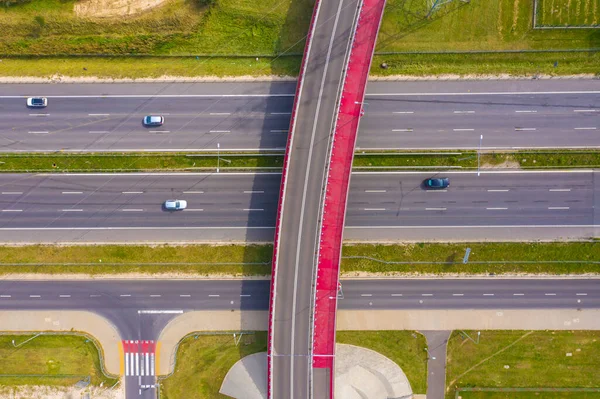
x: 405, y: 348
x: 514, y: 393
x: 237, y: 260
x: 255, y: 260
x: 485, y: 258
x: 204, y: 360
x: 59, y: 360
x: 527, y: 359
x: 363, y: 160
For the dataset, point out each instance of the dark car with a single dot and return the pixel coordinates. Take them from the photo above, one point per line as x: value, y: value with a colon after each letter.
x: 153, y: 120
x: 438, y: 182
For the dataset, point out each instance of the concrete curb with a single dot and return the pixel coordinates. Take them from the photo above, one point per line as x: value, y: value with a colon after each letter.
x: 102, y: 330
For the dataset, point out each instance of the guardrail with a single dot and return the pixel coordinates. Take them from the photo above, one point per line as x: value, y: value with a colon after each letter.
x: 282, y: 191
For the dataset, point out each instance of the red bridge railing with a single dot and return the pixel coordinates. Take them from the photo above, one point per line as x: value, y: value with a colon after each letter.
x: 351, y: 109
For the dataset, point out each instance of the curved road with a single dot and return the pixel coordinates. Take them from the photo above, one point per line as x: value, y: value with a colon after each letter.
x: 418, y: 115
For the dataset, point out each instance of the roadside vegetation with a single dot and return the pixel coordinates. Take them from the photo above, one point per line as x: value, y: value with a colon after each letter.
x: 405, y: 348
x: 54, y: 360
x: 244, y: 37
x: 203, y: 360
x: 255, y: 260
x: 532, y: 394
x: 136, y: 162
x: 521, y: 359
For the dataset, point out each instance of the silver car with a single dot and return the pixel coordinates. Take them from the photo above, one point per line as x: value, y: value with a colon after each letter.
x: 175, y: 205
x: 37, y: 102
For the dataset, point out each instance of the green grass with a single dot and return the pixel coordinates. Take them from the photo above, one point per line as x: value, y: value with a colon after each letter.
x: 568, y: 13
x: 534, y: 359
x: 203, y: 362
x: 180, y: 27
x: 507, y: 258
x: 477, y: 25
x: 529, y: 395
x: 136, y: 162
x: 50, y: 360
x: 405, y: 348
x: 254, y: 260
x: 117, y: 259
x: 133, y: 162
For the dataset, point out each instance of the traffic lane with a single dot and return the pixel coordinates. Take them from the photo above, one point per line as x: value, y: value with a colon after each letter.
x: 171, y: 88
x: 126, y: 295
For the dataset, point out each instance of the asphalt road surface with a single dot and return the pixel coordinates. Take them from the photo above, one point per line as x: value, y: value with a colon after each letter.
x: 126, y: 303
x: 381, y: 206
x: 399, y: 115
x: 292, y: 374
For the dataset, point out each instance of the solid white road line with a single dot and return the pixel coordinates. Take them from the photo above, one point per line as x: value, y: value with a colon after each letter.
x: 159, y: 131
x: 194, y: 210
x: 72, y: 210
x: 558, y: 208
x: 518, y: 294
x: 396, y: 294
x: 254, y: 192
x: 464, y: 112
x: 155, y: 295
x: 585, y: 110
x: 193, y: 192
x: 458, y: 294
x: 146, y: 311
x: 366, y: 294
x: 39, y: 132
x: 281, y: 113
x: 137, y: 364
x: 132, y: 192
x: 525, y: 129
x: 497, y: 191
x: 184, y: 296
x: 437, y: 191
x: 98, y: 131
x: 403, y: 112
x: 526, y: 112
x: 8, y: 296
x: 426, y: 294
x: 496, y: 209
x: 219, y: 131
x: 550, y: 294
x: 214, y: 295
x: 152, y: 364
x: 435, y: 209
x: 12, y: 210
x: 581, y: 294
x: 39, y: 114
x: 402, y: 130
x: 585, y: 128
x: 98, y: 114
x: 72, y: 192
x: 126, y: 364
x: 12, y: 192
x: 375, y: 191
x: 560, y: 189
x: 220, y: 113
x: 463, y: 130
x: 253, y: 210
x: 35, y: 296
x: 147, y: 364
x: 125, y: 295
x: 374, y: 209
x: 488, y: 294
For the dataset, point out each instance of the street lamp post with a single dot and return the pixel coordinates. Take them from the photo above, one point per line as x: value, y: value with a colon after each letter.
x: 479, y: 154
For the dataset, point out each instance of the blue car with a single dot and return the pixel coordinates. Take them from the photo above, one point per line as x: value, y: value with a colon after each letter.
x: 437, y: 183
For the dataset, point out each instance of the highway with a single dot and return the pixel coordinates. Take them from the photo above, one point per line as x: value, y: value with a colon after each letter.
x: 252, y: 116
x: 381, y: 206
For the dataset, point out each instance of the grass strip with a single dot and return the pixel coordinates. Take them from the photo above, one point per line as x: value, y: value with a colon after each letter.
x: 495, y: 257
x: 522, y: 358
x: 204, y: 360
x: 507, y: 393
x: 238, y: 260
x: 56, y: 360
x: 405, y: 348
x: 255, y: 260
x: 136, y: 162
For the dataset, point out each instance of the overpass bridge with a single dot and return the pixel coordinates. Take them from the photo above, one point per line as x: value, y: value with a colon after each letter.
x: 313, y: 194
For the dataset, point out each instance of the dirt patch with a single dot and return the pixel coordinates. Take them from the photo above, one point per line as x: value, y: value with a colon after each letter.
x: 47, y: 392
x: 503, y: 165
x: 114, y: 8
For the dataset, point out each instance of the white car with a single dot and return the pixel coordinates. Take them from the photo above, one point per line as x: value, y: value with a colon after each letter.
x: 37, y: 102
x: 175, y: 205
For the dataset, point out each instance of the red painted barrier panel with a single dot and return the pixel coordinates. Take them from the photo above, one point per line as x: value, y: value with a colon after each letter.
x: 281, y: 198
x: 338, y: 180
